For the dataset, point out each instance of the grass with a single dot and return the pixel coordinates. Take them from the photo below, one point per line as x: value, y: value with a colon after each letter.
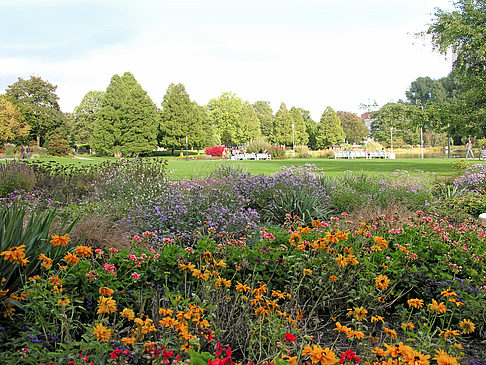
x: 195, y: 168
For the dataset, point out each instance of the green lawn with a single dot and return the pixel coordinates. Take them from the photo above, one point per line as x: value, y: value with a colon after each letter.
x: 183, y: 168
x: 194, y: 168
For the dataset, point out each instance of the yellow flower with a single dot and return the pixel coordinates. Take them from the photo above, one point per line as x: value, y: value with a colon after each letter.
x: 382, y: 282
x: 295, y: 239
x: 106, y: 305
x: 101, y: 332
x: 290, y: 360
x: 413, y: 357
x: 443, y: 358
x: 46, y: 261
x: 448, y: 333
x: 358, y: 313
x: 261, y: 310
x: 83, y: 251
x: 189, y: 266
x: 456, y: 302
x: 128, y: 314
x: 128, y: 340
x: 219, y: 263
x: 417, y: 303
x: 15, y: 255
x: 390, y: 332
x: 63, y: 302
x: 165, y: 312
x: 341, y: 260
x: 437, y: 307
x: 375, y: 319
x: 71, y: 258
x: 448, y: 293
x: 60, y: 240
x: 222, y: 282
x: 307, y: 272
x: 317, y: 354
x: 467, y: 326
x: 316, y: 223
x: 380, y: 241
x: 408, y: 325
x: 105, y: 291
x: 35, y: 278
x: 333, y: 278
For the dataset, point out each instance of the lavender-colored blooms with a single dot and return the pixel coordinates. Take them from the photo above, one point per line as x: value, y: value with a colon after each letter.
x: 473, y: 179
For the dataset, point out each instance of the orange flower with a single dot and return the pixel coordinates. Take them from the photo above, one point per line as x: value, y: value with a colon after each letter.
x: 46, y: 261
x: 54, y: 279
x: 358, y: 313
x: 380, y: 241
x: 375, y: 319
x: 128, y: 340
x: 467, y: 326
x: 390, y: 332
x: 63, y: 302
x: 105, y: 291
x: 15, y: 255
x: 333, y: 278
x: 60, y: 240
x: 443, y: 358
x: 316, y: 223
x: 382, y: 282
x: 295, y: 239
x: 101, y: 332
x: 106, y: 305
x: 71, y: 258
x: 448, y: 293
x: 307, y: 272
x: 128, y: 314
x: 83, y: 251
x: 437, y: 307
x: 417, y: 303
x: 290, y: 360
x: 408, y: 325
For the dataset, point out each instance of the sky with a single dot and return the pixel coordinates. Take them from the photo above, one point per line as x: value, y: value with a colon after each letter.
x: 306, y: 53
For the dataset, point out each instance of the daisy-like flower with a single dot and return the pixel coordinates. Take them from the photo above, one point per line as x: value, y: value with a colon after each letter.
x: 333, y: 278
x: 105, y: 291
x: 101, y: 332
x: 83, y: 251
x: 416, y: 303
x: 15, y: 255
x: 307, y: 272
x: 382, y: 282
x: 437, y: 307
x: 449, y: 333
x: 46, y: 261
x: 390, y: 332
x: 63, y: 302
x: 60, y: 240
x: 375, y: 319
x: 242, y: 287
x: 106, y: 305
x: 414, y: 357
x: 448, y: 293
x: 128, y: 340
x: 443, y: 358
x: 467, y: 326
x: 358, y: 313
x: 71, y: 258
x: 381, y: 242
x: 128, y: 314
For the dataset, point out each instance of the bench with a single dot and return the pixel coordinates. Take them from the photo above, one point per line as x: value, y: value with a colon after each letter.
x: 361, y: 154
x: 483, y: 154
x: 251, y: 156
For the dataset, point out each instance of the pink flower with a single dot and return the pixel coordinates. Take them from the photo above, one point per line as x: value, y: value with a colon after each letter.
x: 344, y: 214
x: 99, y: 251
x: 113, y: 250
x: 110, y: 268
x: 135, y: 276
x: 156, y: 256
x: 137, y: 238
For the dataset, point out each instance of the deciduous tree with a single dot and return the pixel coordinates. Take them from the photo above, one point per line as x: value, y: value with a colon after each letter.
x: 330, y: 132
x: 12, y: 123
x: 84, y: 117
x: 353, y: 126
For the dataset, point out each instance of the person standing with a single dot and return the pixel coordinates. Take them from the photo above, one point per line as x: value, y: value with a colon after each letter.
x: 22, y: 152
x: 469, y: 147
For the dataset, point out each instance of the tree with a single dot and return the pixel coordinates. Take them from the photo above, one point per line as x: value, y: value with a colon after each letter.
x: 300, y: 134
x: 425, y: 90
x: 127, y: 120
x: 463, y: 31
x: 310, y: 128
x: 330, y: 132
x: 41, y: 108
x: 282, y: 126
x: 84, y: 117
x: 233, y: 120
x: 12, y: 123
x: 265, y: 116
x: 353, y: 126
x: 180, y: 118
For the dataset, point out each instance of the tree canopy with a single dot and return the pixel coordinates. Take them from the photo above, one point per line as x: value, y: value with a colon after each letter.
x: 40, y: 105
x: 329, y: 131
x: 127, y: 119
x: 84, y: 117
x: 12, y: 123
x: 353, y: 127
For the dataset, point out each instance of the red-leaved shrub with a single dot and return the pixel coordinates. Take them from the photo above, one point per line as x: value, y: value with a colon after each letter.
x: 215, y: 151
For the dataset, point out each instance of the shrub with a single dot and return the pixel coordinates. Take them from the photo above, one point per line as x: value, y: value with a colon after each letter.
x: 277, y: 152
x: 15, y: 175
x: 258, y: 146
x: 473, y: 179
x: 58, y: 146
x: 216, y: 151
x: 9, y: 150
x: 302, y: 149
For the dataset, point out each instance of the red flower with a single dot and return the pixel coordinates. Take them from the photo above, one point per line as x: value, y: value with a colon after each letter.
x: 289, y: 337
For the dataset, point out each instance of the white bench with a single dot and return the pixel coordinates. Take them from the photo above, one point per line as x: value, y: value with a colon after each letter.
x: 251, y: 156
x: 483, y: 154
x: 361, y: 154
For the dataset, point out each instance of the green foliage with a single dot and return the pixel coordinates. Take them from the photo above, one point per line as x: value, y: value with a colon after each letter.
x: 235, y: 120
x: 16, y: 229
x: 15, y: 175
x: 85, y: 115
x: 180, y: 118
x: 12, y: 123
x: 300, y: 133
x: 39, y: 105
x: 127, y: 119
x: 265, y: 116
x: 57, y: 146
x: 258, y: 146
x: 330, y: 131
x: 282, y: 126
x: 353, y: 127
x: 277, y: 152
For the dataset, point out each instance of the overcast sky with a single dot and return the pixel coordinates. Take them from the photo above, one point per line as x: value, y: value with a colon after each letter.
x: 306, y: 53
